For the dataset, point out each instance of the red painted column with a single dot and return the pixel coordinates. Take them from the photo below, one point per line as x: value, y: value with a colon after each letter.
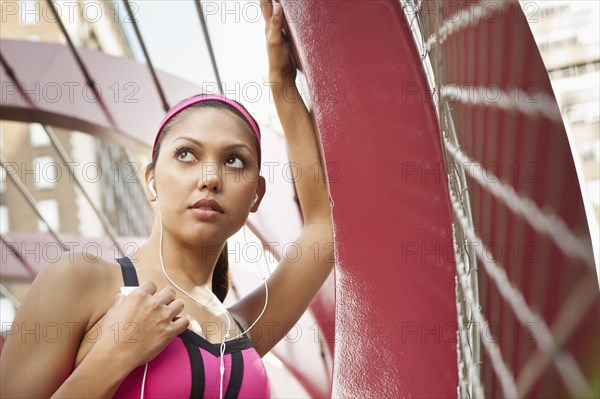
x: 395, y: 301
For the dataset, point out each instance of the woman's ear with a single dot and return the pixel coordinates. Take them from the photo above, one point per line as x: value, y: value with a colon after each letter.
x: 260, y: 193
x: 149, y: 177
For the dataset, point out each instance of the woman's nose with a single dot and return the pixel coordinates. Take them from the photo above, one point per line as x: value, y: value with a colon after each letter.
x: 210, y: 178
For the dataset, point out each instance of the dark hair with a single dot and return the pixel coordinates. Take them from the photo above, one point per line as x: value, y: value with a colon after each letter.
x: 220, y: 279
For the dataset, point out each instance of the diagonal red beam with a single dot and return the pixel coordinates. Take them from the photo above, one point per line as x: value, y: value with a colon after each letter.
x: 13, y: 76
x: 10, y: 245
x: 88, y: 78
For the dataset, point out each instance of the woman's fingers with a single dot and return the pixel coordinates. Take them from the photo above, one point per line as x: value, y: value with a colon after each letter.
x: 180, y: 324
x: 274, y: 22
x: 267, y: 10
x: 174, y: 308
x: 172, y: 305
x: 273, y: 15
x: 277, y: 19
x: 281, y: 66
x: 149, y: 287
x: 166, y: 295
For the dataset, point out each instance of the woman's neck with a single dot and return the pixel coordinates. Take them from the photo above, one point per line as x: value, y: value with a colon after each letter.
x: 188, y: 265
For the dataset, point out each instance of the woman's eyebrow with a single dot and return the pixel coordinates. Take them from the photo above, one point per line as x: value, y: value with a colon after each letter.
x: 238, y: 145
x: 199, y: 144
x: 227, y: 147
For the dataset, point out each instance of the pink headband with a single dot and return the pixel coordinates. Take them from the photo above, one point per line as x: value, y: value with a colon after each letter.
x: 201, y: 98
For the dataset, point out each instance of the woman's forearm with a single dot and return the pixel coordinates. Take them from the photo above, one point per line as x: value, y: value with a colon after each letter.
x: 98, y: 376
x: 303, y: 148
x: 303, y: 151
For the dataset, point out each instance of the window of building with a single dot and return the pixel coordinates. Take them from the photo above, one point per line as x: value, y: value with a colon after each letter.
x: 548, y: 9
x: 2, y: 181
x: 557, y: 38
x: 32, y: 38
x: 583, y: 113
x: 38, y: 135
x: 4, y: 226
x: 49, y: 209
x: 2, y: 187
x: 588, y: 154
x: 593, y: 189
x: 46, y: 172
x: 7, y: 314
x: 590, y: 151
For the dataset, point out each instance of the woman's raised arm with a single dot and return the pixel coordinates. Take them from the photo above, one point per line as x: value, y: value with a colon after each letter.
x: 303, y: 149
x: 297, y: 279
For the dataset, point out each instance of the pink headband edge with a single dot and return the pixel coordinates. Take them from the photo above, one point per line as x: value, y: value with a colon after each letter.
x: 201, y: 98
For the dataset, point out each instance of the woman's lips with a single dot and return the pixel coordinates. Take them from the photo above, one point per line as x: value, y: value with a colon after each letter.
x: 205, y: 213
x: 208, y: 204
x: 206, y: 209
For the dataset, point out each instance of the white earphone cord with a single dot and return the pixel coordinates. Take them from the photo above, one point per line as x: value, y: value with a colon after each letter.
x: 222, y: 347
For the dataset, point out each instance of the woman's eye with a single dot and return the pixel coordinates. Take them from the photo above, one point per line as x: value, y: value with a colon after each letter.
x: 236, y: 162
x: 184, y: 155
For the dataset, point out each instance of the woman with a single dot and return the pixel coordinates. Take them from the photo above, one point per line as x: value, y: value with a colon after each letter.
x: 165, y: 338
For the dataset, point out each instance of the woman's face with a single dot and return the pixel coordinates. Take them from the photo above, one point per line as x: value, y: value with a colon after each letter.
x: 208, y: 154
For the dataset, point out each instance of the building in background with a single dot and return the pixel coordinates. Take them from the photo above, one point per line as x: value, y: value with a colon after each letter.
x: 108, y: 174
x: 567, y: 35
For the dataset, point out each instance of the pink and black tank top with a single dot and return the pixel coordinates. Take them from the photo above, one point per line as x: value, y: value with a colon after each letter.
x: 189, y: 366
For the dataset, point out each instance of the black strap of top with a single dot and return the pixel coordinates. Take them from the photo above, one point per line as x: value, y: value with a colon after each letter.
x: 128, y: 270
x: 236, y: 376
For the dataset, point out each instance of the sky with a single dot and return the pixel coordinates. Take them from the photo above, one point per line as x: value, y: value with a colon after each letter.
x: 174, y: 38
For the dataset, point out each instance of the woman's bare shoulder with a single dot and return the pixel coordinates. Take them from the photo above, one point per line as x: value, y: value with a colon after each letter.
x: 81, y: 269
x: 64, y: 298
x: 81, y: 274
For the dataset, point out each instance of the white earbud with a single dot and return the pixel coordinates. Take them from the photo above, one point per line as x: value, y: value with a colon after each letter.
x: 254, y: 199
x: 152, y: 188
